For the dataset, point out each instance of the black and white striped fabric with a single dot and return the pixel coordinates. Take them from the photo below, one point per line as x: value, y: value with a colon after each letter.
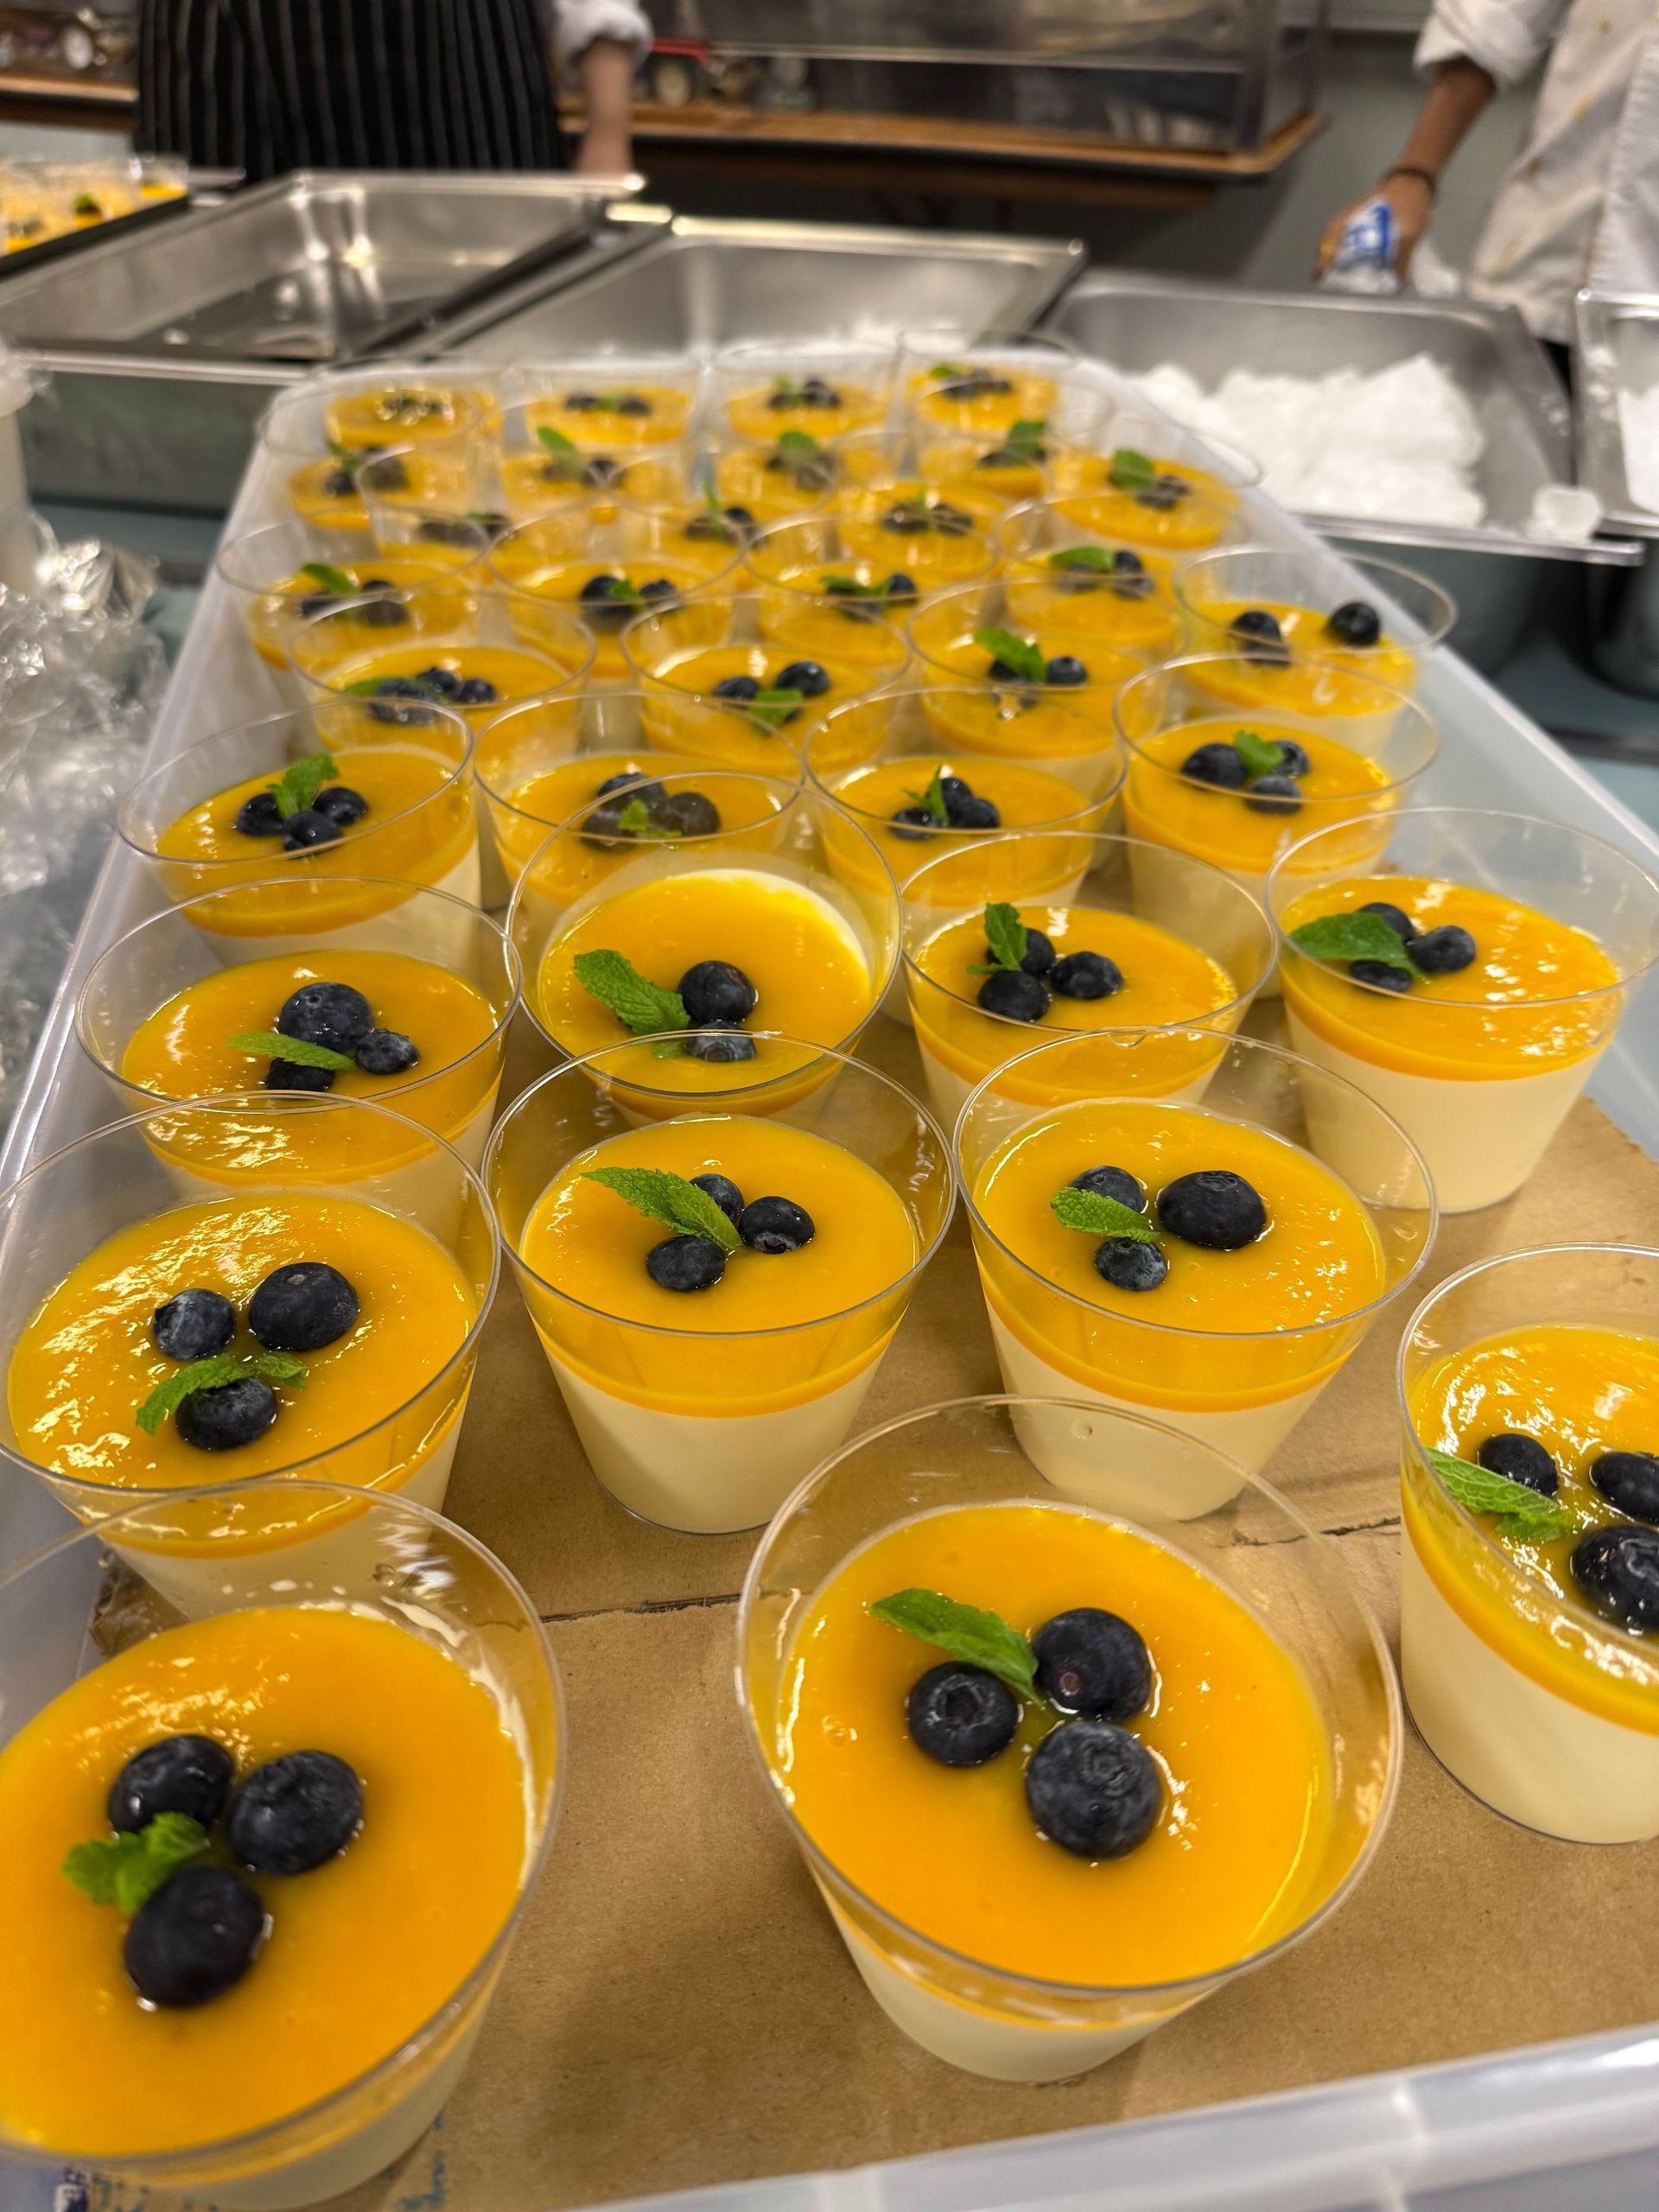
x: 267, y: 86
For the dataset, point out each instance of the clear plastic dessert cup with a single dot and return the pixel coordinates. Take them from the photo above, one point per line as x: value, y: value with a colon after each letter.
x: 1253, y: 1552
x: 424, y: 403
x: 874, y: 578
x: 773, y: 842
x: 407, y: 1568
x: 1144, y: 481
x: 1483, y: 1082
x: 952, y: 383
x: 381, y: 1417
x: 772, y: 480
x: 462, y: 996
x: 1196, y: 994
x: 1242, y: 1385
x: 616, y: 402
x: 821, y: 387
x: 473, y: 671
x: 1060, y: 575
x: 702, y: 1429
x: 324, y: 477
x: 1302, y: 587
x: 565, y: 569
x: 180, y: 818
x: 1543, y: 1707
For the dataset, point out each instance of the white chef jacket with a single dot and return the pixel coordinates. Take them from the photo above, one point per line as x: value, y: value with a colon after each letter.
x: 579, y: 22
x: 1580, y: 205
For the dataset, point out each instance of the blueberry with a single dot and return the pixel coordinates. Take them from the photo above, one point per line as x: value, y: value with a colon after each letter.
x: 1213, y: 1208
x: 1092, y: 1661
x: 1356, y: 622
x: 192, y: 1324
x: 805, y: 676
x: 302, y: 1307
x: 288, y: 1075
x: 260, y: 816
x: 633, y: 403
x: 387, y: 612
x: 190, y: 1775
x: 1128, y: 578
x: 1113, y: 1182
x: 443, y: 681
x: 775, y: 1226
x: 724, y: 1192
x: 476, y: 691
x: 294, y: 1813
x: 1066, y: 670
x: 1217, y: 763
x: 960, y: 1715
x: 1522, y: 1459
x: 899, y: 590
x: 1013, y: 995
x: 580, y: 403
x: 1443, y: 952
x: 1617, y: 1570
x: 685, y: 1264
x: 973, y: 813
x: 1396, y: 918
x: 600, y: 588
x: 1295, y: 759
x: 1093, y: 1790
x: 1260, y: 634
x: 659, y: 589
x: 395, y: 689
x: 715, y: 991
x: 737, y: 687
x: 689, y: 814
x: 1380, y: 976
x: 633, y: 782
x: 1166, y: 490
x: 599, y: 469
x: 1275, y: 795
x: 225, y: 1418
x: 716, y: 526
x: 953, y: 790
x: 721, y: 1045
x: 386, y: 1051
x: 439, y: 530
x: 1039, y: 954
x: 1629, y: 1480
x: 906, y: 517
x: 742, y: 522
x: 194, y: 1939
x: 318, y: 602
x: 913, y: 823
x: 307, y: 828
x: 333, y: 1014
x: 1128, y: 1264
x: 339, y: 484
x: 340, y: 803
x: 1085, y: 976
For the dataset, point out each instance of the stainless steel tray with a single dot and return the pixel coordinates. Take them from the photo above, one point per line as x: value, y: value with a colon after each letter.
x: 1617, y: 351
x: 704, y: 282
x: 235, y: 300
x: 1495, y: 572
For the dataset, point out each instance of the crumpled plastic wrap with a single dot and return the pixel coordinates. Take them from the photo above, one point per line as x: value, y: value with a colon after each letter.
x: 81, y: 680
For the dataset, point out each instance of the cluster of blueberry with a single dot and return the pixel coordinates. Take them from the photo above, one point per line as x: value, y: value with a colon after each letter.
x: 408, y: 409
x: 1222, y: 767
x: 609, y: 403
x: 1211, y: 1207
x: 197, y: 1934
x: 915, y: 517
x: 771, y: 1226
x: 861, y: 602
x: 718, y: 999
x: 390, y: 475
x: 1091, y: 1787
x: 300, y: 1308
x: 812, y: 391
x: 609, y: 601
x: 331, y: 813
x: 723, y: 525
x: 390, y: 610
x: 1063, y: 672
x: 595, y: 470
x: 963, y: 809
x: 1123, y: 574
x: 1617, y: 1568
x: 974, y: 384
x: 437, y: 684
x: 1023, y: 993
x: 668, y: 814
x: 1442, y: 951
x: 807, y: 677
x: 811, y: 467
x: 338, y: 1017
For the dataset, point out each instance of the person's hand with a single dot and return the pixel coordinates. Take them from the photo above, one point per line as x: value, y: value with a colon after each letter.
x: 604, y: 153
x: 1413, y: 204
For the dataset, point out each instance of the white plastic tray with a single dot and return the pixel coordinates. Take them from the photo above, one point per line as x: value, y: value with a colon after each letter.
x: 1575, y: 2123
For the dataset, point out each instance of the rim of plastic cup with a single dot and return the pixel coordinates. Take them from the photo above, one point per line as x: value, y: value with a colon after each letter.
x: 926, y: 596
x: 1392, y: 702
x: 697, y: 587
x: 436, y: 641
x: 1514, y: 1569
x: 1363, y: 564
x: 701, y: 1104
x: 1233, y: 465
x: 1456, y: 1007
x: 1051, y: 505
x: 124, y: 821
x: 406, y: 894
x: 1057, y: 1034
x: 524, y: 890
x: 1146, y: 662
x: 153, y: 2163
x: 263, y: 1102
x: 225, y: 562
x: 1084, y: 1991
x: 881, y: 680
x: 673, y: 764
x: 1228, y: 1041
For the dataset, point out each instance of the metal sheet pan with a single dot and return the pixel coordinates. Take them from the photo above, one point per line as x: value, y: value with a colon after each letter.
x: 113, y: 230
x: 1617, y: 351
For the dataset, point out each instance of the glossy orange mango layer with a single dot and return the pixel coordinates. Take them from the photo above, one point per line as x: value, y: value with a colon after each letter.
x: 1044, y: 596
x: 1192, y: 524
x: 1023, y: 797
x: 1168, y: 809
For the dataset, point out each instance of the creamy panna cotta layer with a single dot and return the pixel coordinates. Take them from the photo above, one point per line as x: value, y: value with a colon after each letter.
x: 463, y: 880
x: 950, y: 1091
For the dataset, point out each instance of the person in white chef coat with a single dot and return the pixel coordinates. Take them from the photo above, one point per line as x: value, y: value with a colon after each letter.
x: 1580, y: 205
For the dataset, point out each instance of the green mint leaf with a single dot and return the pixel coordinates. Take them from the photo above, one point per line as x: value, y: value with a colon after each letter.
x: 85, y: 205
x: 274, y: 1367
x: 1029, y: 431
x: 1099, y: 560
x: 348, y: 457
x: 300, y: 781
x: 978, y: 1639
x: 1130, y: 471
x: 1005, y: 933
x: 1260, y: 757
x: 770, y: 709
x: 275, y: 1046
x: 613, y: 980
x: 126, y: 1871
x: 797, y: 445
x: 1019, y: 654
x: 1527, y: 1516
x: 324, y: 573
x: 620, y: 588
x: 947, y: 370
x: 1096, y: 1215
x: 556, y: 440
x: 1351, y: 936
x: 849, y: 587
x: 672, y: 1200
x: 790, y: 388
x: 933, y: 798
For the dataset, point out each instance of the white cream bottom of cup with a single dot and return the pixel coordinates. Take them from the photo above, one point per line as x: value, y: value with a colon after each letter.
x: 705, y: 1474
x: 1249, y: 1436
x: 949, y: 1091
x: 464, y: 882
x: 1480, y: 1140
x: 1532, y: 1756
x: 1161, y: 878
